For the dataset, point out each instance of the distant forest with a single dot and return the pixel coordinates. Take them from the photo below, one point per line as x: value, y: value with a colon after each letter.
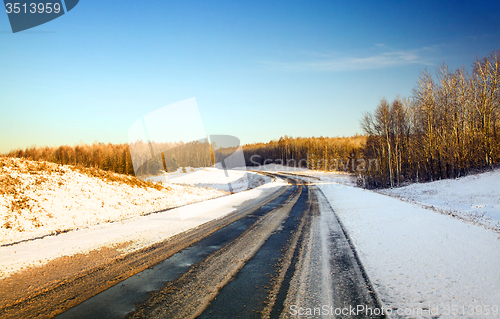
x: 448, y: 128
x: 109, y: 157
x: 319, y: 153
x: 339, y: 153
x: 117, y: 157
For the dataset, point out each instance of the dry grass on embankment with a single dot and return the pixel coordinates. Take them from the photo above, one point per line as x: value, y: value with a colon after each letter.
x: 39, y: 198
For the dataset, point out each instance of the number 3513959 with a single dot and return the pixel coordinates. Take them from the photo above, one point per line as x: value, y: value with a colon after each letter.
x: 33, y: 8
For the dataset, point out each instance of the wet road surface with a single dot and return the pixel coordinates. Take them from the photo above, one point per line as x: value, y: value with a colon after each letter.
x: 289, y: 253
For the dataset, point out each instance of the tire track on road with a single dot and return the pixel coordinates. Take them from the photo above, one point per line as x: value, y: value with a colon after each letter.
x: 188, y: 296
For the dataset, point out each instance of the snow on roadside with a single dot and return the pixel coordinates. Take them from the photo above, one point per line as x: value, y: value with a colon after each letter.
x: 240, y: 180
x: 135, y: 233
x: 474, y: 198
x: 41, y: 198
x: 331, y: 177
x: 277, y: 168
x: 419, y: 260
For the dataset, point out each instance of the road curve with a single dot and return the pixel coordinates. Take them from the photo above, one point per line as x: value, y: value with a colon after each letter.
x: 276, y: 257
x: 66, y: 283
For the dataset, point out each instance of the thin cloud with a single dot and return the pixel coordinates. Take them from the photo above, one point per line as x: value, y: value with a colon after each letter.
x: 352, y: 63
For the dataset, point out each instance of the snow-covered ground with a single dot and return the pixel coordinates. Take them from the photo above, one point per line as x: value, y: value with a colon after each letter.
x: 474, y: 198
x: 331, y: 177
x: 41, y: 198
x: 276, y: 168
x: 421, y: 263
x: 238, y: 180
x: 136, y: 233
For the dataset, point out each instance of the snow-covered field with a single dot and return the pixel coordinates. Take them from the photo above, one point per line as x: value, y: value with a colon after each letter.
x: 333, y: 178
x: 88, y: 209
x: 330, y: 177
x: 238, y: 180
x: 277, y: 168
x: 421, y: 263
x: 135, y: 233
x: 40, y: 198
x: 474, y: 198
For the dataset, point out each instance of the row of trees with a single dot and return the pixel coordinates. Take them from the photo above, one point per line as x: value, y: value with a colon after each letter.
x: 109, y: 157
x: 450, y: 126
x: 151, y: 158
x: 321, y: 153
x: 118, y: 158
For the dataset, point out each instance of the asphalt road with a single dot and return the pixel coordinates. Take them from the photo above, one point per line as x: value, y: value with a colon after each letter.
x: 284, y: 256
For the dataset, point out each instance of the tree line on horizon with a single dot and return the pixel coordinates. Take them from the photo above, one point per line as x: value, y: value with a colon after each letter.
x: 318, y: 153
x: 109, y: 157
x: 321, y: 153
x: 119, y: 159
x: 447, y: 129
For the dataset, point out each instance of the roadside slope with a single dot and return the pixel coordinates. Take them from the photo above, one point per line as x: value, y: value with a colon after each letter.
x: 474, y: 198
x: 419, y: 259
x: 42, y: 198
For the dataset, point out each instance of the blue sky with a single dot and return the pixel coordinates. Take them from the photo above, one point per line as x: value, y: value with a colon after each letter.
x: 258, y: 69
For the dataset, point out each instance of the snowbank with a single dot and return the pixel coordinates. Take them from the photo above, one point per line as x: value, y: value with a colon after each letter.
x: 240, y: 180
x: 276, y: 168
x: 419, y: 260
x: 330, y: 177
x: 41, y: 198
x: 134, y: 233
x: 475, y: 197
